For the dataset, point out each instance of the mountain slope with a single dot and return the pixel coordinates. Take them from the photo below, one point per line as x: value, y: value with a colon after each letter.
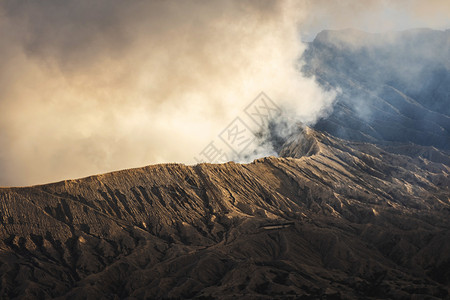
x: 357, y: 207
x: 395, y: 86
x: 331, y: 218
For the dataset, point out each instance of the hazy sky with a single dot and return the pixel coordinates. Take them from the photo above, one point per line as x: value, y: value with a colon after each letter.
x: 93, y: 86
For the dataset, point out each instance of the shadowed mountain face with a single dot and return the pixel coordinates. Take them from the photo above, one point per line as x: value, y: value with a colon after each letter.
x: 394, y: 86
x: 355, y: 220
x: 362, y: 217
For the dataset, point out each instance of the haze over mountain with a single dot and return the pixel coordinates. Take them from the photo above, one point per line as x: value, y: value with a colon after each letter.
x: 92, y: 87
x: 395, y: 86
x: 356, y: 207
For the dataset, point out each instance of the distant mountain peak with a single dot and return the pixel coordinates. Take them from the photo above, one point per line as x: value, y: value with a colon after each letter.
x: 395, y: 86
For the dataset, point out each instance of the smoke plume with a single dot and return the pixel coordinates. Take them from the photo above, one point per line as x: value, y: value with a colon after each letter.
x: 88, y: 87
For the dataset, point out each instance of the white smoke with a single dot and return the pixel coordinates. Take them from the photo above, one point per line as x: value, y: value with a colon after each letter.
x: 88, y: 87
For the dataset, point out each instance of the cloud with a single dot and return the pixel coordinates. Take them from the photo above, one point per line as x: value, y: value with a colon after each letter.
x: 94, y: 87
x: 374, y: 15
x: 88, y: 87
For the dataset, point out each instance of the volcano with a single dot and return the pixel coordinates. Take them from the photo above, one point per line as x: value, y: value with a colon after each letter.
x: 354, y: 207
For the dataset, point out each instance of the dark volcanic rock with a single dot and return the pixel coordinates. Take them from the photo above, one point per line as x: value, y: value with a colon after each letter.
x: 364, y: 223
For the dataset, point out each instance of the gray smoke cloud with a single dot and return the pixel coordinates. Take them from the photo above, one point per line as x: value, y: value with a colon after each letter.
x: 395, y: 85
x: 88, y: 87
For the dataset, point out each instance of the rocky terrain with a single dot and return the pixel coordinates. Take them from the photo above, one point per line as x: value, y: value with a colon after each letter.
x: 359, y: 221
x: 357, y: 207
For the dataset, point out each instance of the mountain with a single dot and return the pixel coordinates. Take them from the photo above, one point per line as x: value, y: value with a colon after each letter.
x: 395, y: 86
x: 356, y: 207
x: 330, y: 218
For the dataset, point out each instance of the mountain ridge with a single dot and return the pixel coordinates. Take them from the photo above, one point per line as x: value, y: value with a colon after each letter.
x: 355, y: 207
x: 89, y: 227
x: 393, y: 86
